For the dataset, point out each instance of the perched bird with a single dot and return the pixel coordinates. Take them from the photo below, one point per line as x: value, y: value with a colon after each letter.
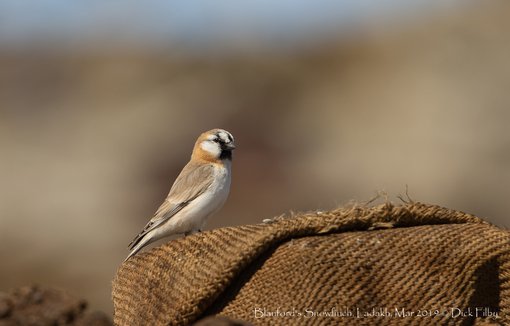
x: 199, y: 191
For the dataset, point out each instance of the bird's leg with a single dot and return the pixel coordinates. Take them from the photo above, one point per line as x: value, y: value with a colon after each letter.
x: 192, y: 232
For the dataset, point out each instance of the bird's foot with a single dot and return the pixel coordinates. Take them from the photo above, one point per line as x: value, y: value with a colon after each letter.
x: 192, y: 232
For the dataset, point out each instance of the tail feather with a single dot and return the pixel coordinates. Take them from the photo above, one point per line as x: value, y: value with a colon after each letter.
x: 135, y: 241
x: 138, y: 243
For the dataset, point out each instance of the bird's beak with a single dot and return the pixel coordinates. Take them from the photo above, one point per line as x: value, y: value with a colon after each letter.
x: 229, y: 146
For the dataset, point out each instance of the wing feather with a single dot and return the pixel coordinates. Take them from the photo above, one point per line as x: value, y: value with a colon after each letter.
x: 192, y: 182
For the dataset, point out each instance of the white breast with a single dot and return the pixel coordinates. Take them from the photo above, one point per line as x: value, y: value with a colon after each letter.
x: 194, y: 216
x: 220, y: 188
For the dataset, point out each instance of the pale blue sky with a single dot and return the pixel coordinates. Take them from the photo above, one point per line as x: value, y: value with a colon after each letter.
x: 196, y: 22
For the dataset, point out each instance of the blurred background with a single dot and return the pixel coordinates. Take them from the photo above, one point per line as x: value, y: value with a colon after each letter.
x: 329, y: 101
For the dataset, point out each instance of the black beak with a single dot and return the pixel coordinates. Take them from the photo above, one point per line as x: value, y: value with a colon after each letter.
x: 230, y: 146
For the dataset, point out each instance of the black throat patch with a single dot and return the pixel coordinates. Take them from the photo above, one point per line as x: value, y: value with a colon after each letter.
x: 226, y: 155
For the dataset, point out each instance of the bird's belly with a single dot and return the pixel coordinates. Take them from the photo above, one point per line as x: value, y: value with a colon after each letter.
x: 194, y: 216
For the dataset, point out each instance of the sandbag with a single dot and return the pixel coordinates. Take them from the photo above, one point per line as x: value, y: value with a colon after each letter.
x: 414, y: 264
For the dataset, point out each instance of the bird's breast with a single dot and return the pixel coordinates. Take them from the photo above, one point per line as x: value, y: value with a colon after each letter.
x: 193, y: 216
x: 220, y: 187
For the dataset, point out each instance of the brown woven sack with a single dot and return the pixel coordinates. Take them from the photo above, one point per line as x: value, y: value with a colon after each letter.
x: 414, y: 264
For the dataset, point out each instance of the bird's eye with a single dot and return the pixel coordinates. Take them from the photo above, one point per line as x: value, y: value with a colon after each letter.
x: 216, y: 140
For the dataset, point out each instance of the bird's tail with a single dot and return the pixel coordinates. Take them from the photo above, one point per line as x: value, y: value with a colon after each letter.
x: 137, y: 245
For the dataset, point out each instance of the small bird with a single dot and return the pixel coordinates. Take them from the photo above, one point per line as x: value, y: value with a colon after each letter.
x: 199, y: 191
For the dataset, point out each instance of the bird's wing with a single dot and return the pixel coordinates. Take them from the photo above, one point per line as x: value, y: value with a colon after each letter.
x: 193, y: 181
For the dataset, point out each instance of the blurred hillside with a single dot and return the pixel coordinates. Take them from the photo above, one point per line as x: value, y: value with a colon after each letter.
x: 91, y: 141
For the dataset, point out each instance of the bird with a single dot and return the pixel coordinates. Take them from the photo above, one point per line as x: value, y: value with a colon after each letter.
x: 200, y: 190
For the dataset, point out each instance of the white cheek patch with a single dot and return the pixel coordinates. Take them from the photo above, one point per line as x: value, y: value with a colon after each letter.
x: 211, y: 148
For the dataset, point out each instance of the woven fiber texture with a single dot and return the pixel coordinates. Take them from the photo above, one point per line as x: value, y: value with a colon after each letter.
x: 383, y: 265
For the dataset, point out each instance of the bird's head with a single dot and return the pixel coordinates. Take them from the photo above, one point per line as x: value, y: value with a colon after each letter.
x: 215, y: 145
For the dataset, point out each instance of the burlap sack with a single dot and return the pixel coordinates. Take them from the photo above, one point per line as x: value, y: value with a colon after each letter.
x: 414, y: 264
